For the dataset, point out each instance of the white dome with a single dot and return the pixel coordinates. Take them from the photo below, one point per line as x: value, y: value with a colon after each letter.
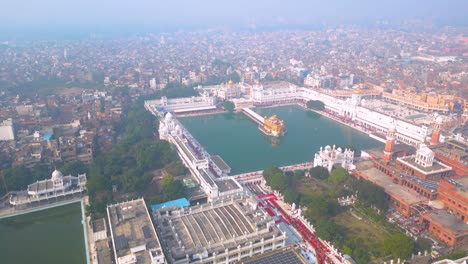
x: 168, y: 117
x: 56, y: 174
x: 439, y: 120
x: 392, y: 128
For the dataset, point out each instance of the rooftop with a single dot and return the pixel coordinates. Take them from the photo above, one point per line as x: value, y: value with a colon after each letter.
x: 222, y: 165
x: 225, y: 185
x: 435, y: 168
x: 99, y: 225
x: 450, y: 221
x: 182, y: 202
x: 132, y: 231
x: 223, y: 224
x: 461, y: 186
x: 378, y: 177
x: 281, y: 256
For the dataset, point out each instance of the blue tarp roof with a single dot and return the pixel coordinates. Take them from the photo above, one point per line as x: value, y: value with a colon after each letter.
x: 182, y: 202
x: 47, y: 136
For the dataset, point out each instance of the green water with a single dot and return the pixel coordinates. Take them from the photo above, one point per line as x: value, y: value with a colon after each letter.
x: 240, y: 143
x: 52, y: 236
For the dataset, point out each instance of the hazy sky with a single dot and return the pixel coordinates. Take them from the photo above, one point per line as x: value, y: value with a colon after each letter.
x: 108, y: 13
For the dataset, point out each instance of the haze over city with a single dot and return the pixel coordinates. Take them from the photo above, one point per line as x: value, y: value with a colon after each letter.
x: 68, y: 17
x: 283, y: 132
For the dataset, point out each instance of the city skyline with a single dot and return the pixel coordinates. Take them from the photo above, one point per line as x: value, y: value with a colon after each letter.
x: 90, y: 16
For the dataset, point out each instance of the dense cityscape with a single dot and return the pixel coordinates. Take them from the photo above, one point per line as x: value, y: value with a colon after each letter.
x: 186, y: 146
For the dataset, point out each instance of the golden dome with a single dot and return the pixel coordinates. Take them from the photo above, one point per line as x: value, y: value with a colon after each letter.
x: 230, y: 83
x: 357, y: 91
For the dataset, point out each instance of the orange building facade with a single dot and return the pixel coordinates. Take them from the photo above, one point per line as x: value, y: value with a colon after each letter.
x: 446, y: 228
x: 455, y: 199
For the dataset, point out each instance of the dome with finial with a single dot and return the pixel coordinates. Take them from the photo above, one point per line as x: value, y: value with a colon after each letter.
x: 56, y: 175
x: 168, y: 117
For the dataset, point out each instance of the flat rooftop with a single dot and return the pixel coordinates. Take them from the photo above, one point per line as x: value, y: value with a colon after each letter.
x: 376, y: 176
x: 435, y: 168
x: 178, y: 203
x: 133, y: 231
x: 462, y: 156
x: 222, y: 165
x: 277, y: 85
x: 99, y: 225
x: 222, y: 224
x: 225, y: 185
x: 401, y: 112
x: 462, y: 186
x: 450, y: 221
x: 280, y: 256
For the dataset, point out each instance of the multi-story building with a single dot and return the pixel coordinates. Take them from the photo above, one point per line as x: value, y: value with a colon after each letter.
x: 423, y: 165
x: 178, y: 105
x: 447, y: 228
x: 455, y: 154
x: 425, y: 102
x: 7, y: 131
x: 222, y: 231
x: 58, y: 186
x: 454, y: 194
x: 208, y: 171
x: 134, y: 238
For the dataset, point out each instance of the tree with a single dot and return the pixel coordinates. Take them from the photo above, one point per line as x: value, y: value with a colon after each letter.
x: 315, y: 105
x: 338, y: 176
x: 291, y: 196
x: 229, y: 106
x: 73, y: 168
x: 278, y: 181
x: 327, y: 230
x: 457, y: 254
x: 171, y: 189
x: 423, y: 244
x: 235, y: 77
x: 176, y: 168
x: 319, y: 172
x: 269, y: 171
x: 370, y: 193
x: 399, y: 245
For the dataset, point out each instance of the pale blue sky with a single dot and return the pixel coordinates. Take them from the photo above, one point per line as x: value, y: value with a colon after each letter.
x: 109, y: 13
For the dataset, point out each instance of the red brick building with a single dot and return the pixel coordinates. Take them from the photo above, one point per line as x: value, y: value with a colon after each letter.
x: 450, y: 225
x: 454, y: 194
x: 423, y: 165
x: 455, y: 154
x: 447, y: 228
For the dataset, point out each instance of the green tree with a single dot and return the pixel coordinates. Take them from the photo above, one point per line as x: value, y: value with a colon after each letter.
x: 315, y: 105
x: 370, y: 193
x: 319, y: 172
x: 291, y: 196
x: 460, y: 253
x: 399, y: 245
x: 269, y: 171
x: 278, y: 181
x: 176, y: 168
x: 423, y: 244
x: 235, y: 77
x: 338, y: 176
x: 229, y: 106
x: 73, y: 168
x: 171, y: 188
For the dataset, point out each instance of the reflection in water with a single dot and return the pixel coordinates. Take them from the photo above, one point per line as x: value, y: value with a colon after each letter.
x: 274, y: 141
x: 312, y: 114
